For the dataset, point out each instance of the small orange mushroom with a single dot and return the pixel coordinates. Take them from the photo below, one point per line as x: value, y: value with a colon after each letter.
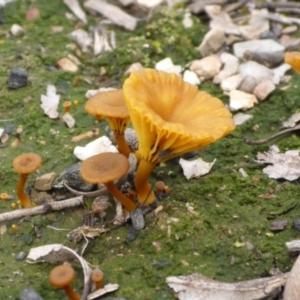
x: 171, y: 117
x: 293, y: 59
x: 105, y: 168
x: 67, y: 106
x: 111, y: 105
x: 97, y: 277
x: 62, y: 277
x: 24, y: 165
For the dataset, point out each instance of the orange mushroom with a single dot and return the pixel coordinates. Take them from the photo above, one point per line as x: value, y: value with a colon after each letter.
x: 293, y: 59
x: 171, y: 117
x: 97, y: 277
x: 105, y: 168
x: 111, y: 105
x: 25, y: 164
x: 62, y: 277
x: 67, y: 106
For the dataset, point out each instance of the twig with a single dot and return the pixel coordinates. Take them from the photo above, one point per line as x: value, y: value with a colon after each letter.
x: 235, y: 6
x: 41, y: 209
x: 272, y: 137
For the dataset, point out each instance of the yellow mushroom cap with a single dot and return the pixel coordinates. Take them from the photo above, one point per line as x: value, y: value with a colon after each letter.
x: 108, y: 103
x: 27, y: 163
x: 293, y: 59
x: 172, y: 117
x: 104, y: 167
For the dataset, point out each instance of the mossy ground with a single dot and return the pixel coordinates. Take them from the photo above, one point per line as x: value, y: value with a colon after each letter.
x: 228, y: 207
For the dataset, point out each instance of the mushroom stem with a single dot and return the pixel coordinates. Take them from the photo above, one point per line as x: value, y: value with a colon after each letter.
x: 71, y: 293
x: 145, y: 193
x: 121, y: 143
x: 25, y: 201
x: 128, y: 203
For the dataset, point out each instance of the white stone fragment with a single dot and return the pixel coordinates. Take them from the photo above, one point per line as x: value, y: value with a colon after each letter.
x: 243, y: 172
x: 134, y: 67
x: 69, y: 120
x: 67, y: 65
x: 82, y: 38
x: 256, y: 70
x: 191, y: 77
x: 149, y: 3
x: 195, y: 168
x: 258, y: 46
x: 231, y: 83
x: 279, y: 73
x: 17, y: 30
x: 256, y: 25
x: 241, y: 118
x: 187, y: 20
x: 230, y: 67
x: 113, y: 13
x: 100, y: 145
x: 241, y: 100
x: 248, y: 84
x: 264, y: 89
x: 50, y: 102
x: 207, y: 67
x: 212, y: 42
x: 167, y: 65
x: 76, y: 9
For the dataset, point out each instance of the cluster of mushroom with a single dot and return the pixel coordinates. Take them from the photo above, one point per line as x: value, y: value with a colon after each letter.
x: 170, y: 116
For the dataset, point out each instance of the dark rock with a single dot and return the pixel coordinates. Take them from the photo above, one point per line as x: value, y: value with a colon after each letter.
x: 296, y: 225
x: 160, y: 264
x: 137, y: 219
x: 17, y: 78
x: 71, y: 176
x: 9, y: 128
x: 132, y: 234
x: 21, y: 256
x: 2, y: 21
x: 30, y: 294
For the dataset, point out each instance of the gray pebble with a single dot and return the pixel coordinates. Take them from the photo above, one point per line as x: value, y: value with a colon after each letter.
x: 137, y: 219
x: 296, y: 225
x: 17, y: 78
x: 21, y: 256
x: 30, y: 294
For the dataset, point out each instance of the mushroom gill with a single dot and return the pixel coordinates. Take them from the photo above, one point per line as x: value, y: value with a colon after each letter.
x: 171, y: 117
x: 111, y: 105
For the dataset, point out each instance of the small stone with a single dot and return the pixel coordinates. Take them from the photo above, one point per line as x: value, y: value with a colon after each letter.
x: 21, y: 256
x: 231, y: 83
x: 296, y: 225
x: 66, y: 64
x: 69, y: 120
x: 134, y: 67
x: 248, y: 84
x: 191, y: 77
x: 278, y: 73
x: 241, y: 100
x: 257, y: 46
x: 230, y: 67
x: 249, y: 246
x: 30, y: 294
x: 71, y: 176
x: 256, y: 70
x: 17, y: 30
x: 32, y: 14
x: 44, y: 182
x: 264, y: 89
x: 137, y: 219
x: 17, y: 78
x: 212, y: 42
x: 167, y: 65
x: 160, y: 264
x: 289, y: 29
x: 278, y: 225
x: 206, y: 68
x: 132, y: 234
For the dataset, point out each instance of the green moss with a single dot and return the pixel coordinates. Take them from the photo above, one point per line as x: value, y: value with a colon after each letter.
x: 228, y: 208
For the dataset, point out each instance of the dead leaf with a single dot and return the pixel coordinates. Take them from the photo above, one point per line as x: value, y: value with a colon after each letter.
x: 199, y: 287
x: 195, y: 168
x: 284, y: 165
